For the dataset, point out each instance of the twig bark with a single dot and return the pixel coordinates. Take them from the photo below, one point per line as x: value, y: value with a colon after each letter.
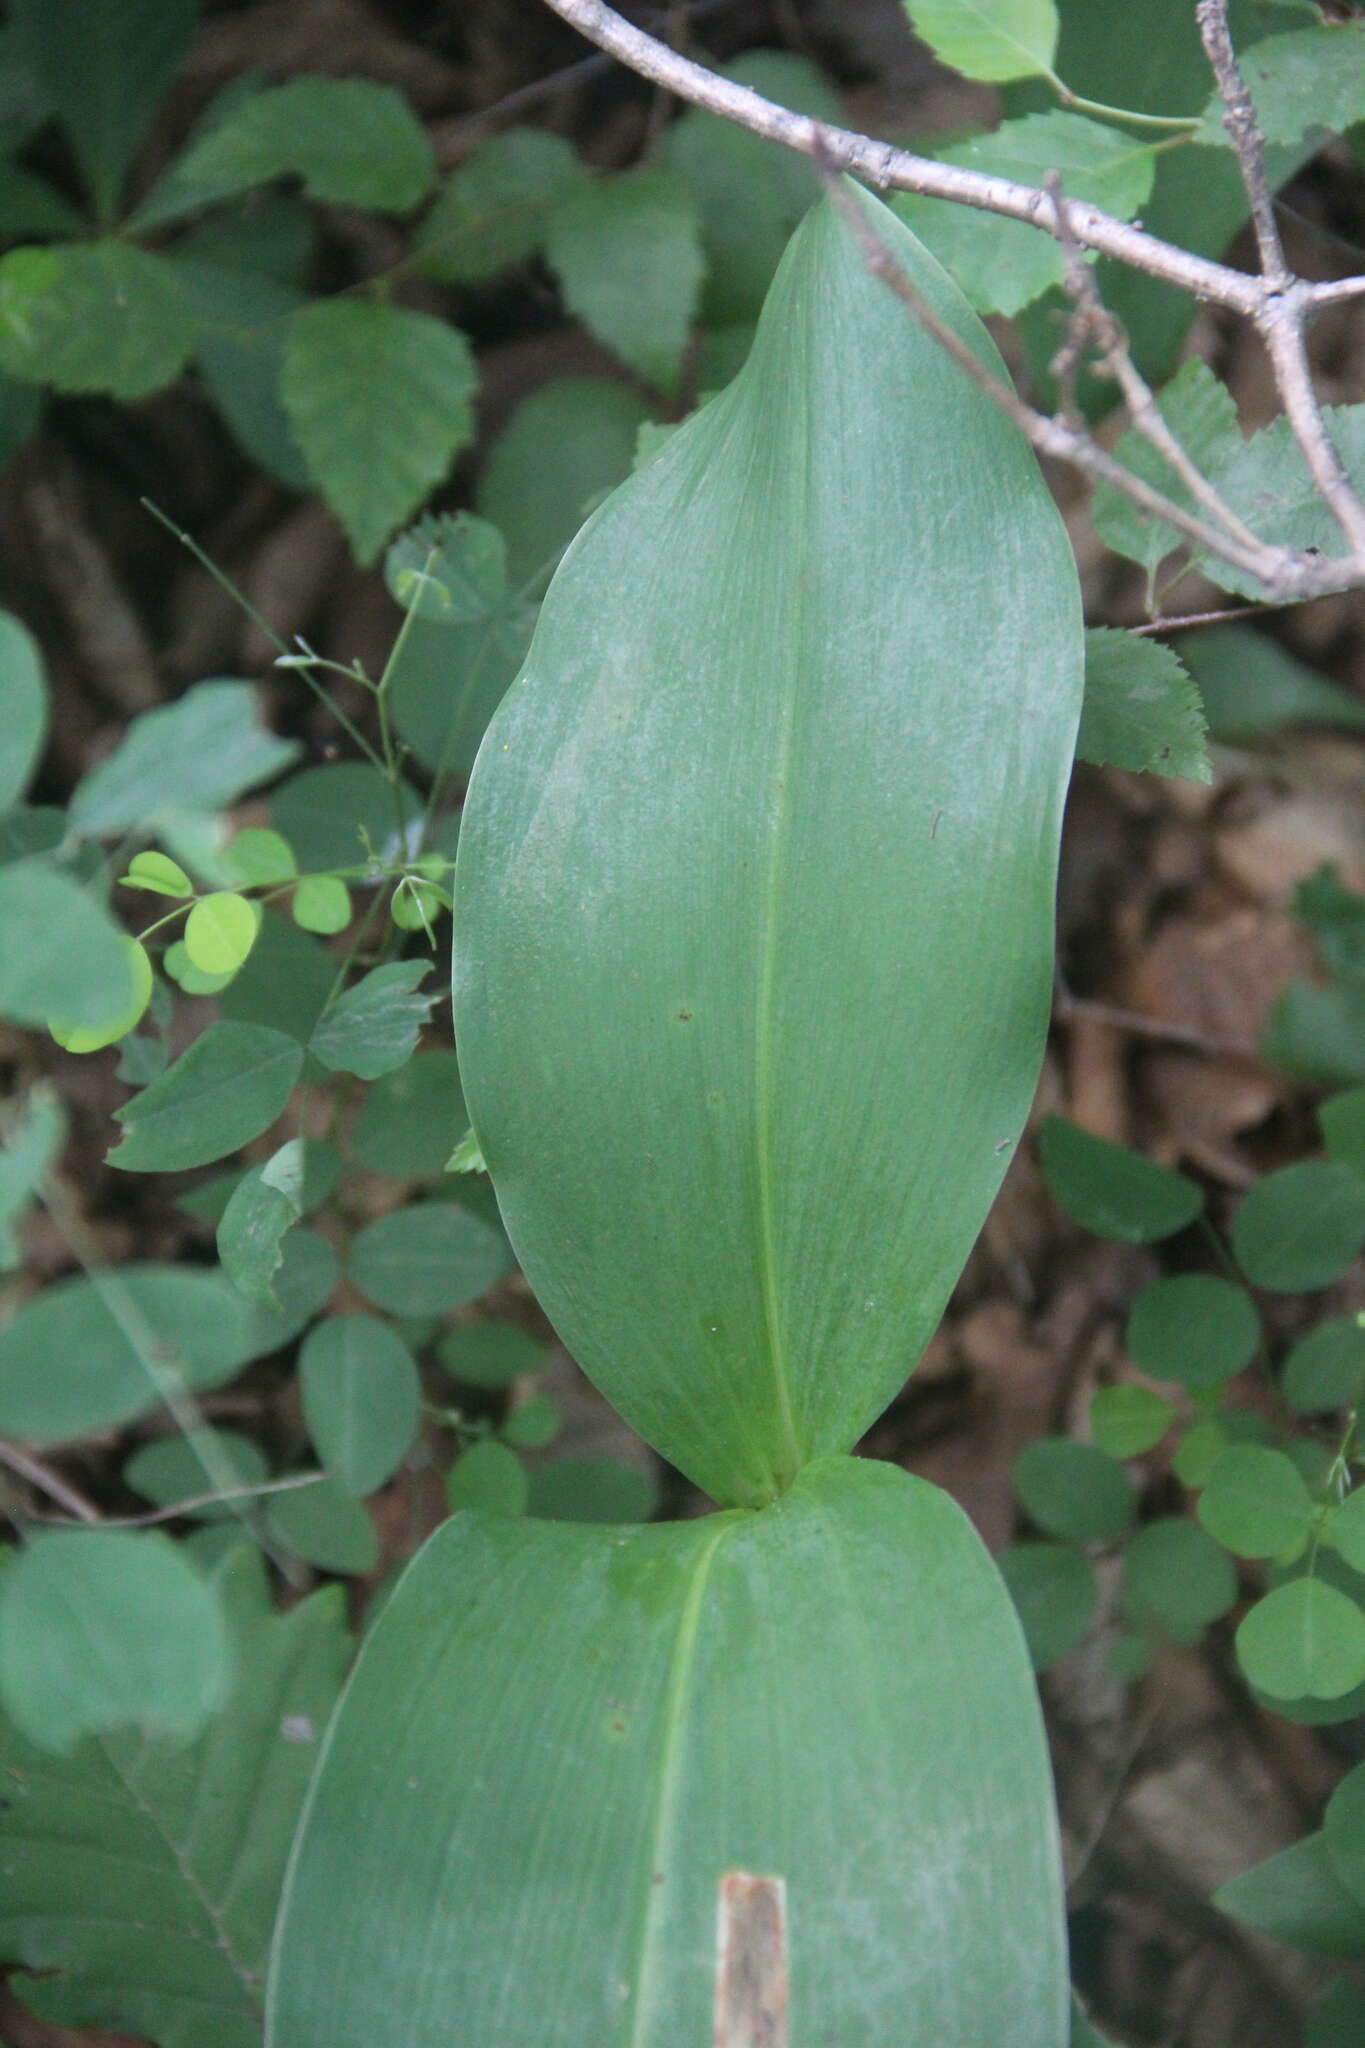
x: 1279, y: 303
x: 1282, y: 310
x: 892, y: 169
x: 1279, y: 570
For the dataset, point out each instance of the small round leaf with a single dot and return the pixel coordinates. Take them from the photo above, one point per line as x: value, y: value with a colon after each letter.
x: 322, y: 903
x: 1073, y: 1490
x: 362, y: 1399
x: 259, y: 858
x: 1193, y: 1329
x: 490, y: 1477
x: 1112, y: 1191
x: 1175, y: 1574
x: 220, y: 931
x: 324, y: 1526
x: 157, y: 873
x: 1304, y: 1639
x: 1053, y: 1590
x: 489, y: 1354
x: 1256, y: 1503
x: 1299, y: 1229
x: 1128, y: 1419
x: 94, y: 1037
x: 532, y: 1426
x: 1326, y: 1369
x: 1345, y: 1529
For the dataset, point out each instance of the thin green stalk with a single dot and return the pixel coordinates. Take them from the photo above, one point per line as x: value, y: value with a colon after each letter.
x: 225, y: 582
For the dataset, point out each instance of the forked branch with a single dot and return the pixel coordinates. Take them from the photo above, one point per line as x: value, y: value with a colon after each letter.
x: 1279, y: 303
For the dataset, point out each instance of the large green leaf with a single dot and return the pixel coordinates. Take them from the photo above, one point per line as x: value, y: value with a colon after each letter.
x: 565, y: 1749
x: 754, y: 945
x: 196, y: 754
x: 628, y: 254
x: 143, y: 1875
x: 61, y: 954
x: 1302, y: 83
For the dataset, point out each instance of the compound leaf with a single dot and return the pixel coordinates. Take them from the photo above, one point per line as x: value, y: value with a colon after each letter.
x: 379, y: 400
x: 142, y: 1876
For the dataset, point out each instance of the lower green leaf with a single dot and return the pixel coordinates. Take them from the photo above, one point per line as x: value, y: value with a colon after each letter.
x: 1141, y: 710
x: 642, y: 1784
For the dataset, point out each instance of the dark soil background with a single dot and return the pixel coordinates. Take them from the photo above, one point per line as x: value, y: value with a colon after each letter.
x: 1175, y: 930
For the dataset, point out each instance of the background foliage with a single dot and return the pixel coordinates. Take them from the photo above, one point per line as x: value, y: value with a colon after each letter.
x: 293, y: 286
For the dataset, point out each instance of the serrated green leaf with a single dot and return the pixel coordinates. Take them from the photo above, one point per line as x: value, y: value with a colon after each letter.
x: 1266, y: 481
x: 226, y: 1089
x: 1255, y: 1502
x: 379, y: 401
x: 32, y: 1141
x: 103, y: 1630
x: 492, y: 210
x: 102, y: 317
x: 220, y: 931
x: 353, y: 142
x: 1003, y: 265
x: 375, y: 1026
x: 92, y: 1352
x: 142, y: 1876
x: 627, y: 253
x: 993, y: 40
x: 1175, y: 1574
x: 1309, y: 80
x: 1193, y: 1329
x: 450, y: 567
x: 61, y: 954
x: 641, y: 930
x: 426, y: 1259
x: 1297, y: 1898
x: 1299, y: 1228
x: 1053, y: 1590
x: 718, y: 1696
x: 489, y: 1477
x: 467, y: 1156
x: 410, y: 1117
x: 1201, y: 413
x: 1251, y: 685
x: 242, y: 323
x: 1112, y: 1191
x: 362, y: 1399
x: 198, y: 754
x: 23, y: 708
x: 562, y: 448
x: 1073, y: 1490
x: 321, y: 903
x: 1141, y: 710
x: 103, y: 70
x: 1305, y: 1638
x: 325, y: 1527
x: 1127, y: 1420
